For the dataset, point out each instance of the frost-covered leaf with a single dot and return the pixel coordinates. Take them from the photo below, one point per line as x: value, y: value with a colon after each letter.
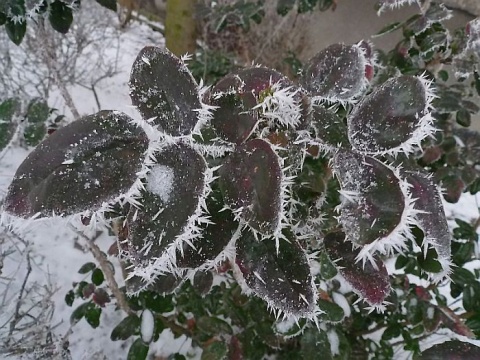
x: 283, y: 279
x: 451, y: 350
x: 9, y: 109
x: 373, y: 210
x: 163, y: 89
x: 173, y: 190
x: 394, y: 118
x: 163, y: 284
x: 90, y: 161
x: 202, y: 281
x: 215, y: 237
x: 60, y: 16
x: 127, y: 327
x: 336, y: 73
x: 329, y: 130
x: 371, y: 282
x: 16, y: 30
x: 248, y: 95
x: 250, y: 180
x: 37, y: 114
x: 431, y: 217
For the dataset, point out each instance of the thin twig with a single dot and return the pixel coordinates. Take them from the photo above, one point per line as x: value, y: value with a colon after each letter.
x: 17, y: 316
x: 107, y: 271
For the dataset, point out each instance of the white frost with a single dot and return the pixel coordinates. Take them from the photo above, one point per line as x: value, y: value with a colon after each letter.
x: 147, y: 326
x: 160, y: 181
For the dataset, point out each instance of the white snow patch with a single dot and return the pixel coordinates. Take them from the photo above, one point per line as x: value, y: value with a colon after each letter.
x: 160, y: 181
x: 147, y: 326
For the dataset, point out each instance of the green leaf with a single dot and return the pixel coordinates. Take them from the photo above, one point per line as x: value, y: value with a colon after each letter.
x: 9, y: 113
x: 70, y: 298
x: 327, y: 269
x: 3, y: 19
x: 463, y: 117
x: 16, y: 31
x: 38, y: 111
x: 92, y: 315
x: 127, y: 327
x: 202, y: 282
x: 87, y: 267
x: 79, y: 313
x: 430, y: 262
x: 34, y: 134
x: 109, y: 4
x: 333, y: 312
x: 60, y: 16
x: 284, y: 6
x: 213, y: 326
x: 477, y: 82
x: 138, y: 350
x: 97, y: 277
x: 389, y: 28
x: 217, y: 350
x: 462, y: 277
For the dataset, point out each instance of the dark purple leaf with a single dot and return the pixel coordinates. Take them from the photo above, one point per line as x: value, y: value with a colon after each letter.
x: 239, y: 92
x: 202, y: 282
x: 374, y: 202
x: 328, y: 128
x: 431, y: 217
x: 80, y: 166
x: 172, y: 193
x: 336, y: 73
x: 215, y: 237
x: 163, y: 284
x: 162, y: 87
x: 371, y: 284
x: 250, y: 180
x: 451, y: 350
x: 393, y: 116
x: 282, y: 278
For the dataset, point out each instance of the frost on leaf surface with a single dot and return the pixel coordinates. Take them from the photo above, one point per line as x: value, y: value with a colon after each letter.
x: 244, y: 96
x: 283, y: 279
x: 431, y: 218
x: 163, y: 89
x: 173, y: 190
x: 8, y: 111
x: 451, y: 350
x: 250, y: 180
x: 393, y: 118
x: 392, y: 4
x: 336, y: 73
x: 90, y: 161
x: 370, y: 281
x: 373, y: 202
x: 329, y: 130
x: 215, y: 237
